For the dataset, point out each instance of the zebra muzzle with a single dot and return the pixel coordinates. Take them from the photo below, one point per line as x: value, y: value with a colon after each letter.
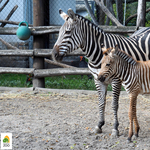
x: 101, y: 78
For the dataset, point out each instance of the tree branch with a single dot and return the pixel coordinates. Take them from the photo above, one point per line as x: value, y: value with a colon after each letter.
x: 90, y: 12
x: 9, y: 15
x: 108, y: 13
x: 58, y: 64
x: 3, y: 5
x: 13, y: 22
x: 7, y: 44
x: 133, y: 16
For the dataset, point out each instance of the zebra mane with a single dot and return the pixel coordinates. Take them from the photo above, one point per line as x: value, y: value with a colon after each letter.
x: 126, y: 57
x: 87, y: 20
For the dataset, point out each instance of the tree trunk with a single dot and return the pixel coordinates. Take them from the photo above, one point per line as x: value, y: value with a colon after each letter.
x: 90, y: 12
x: 119, y: 10
x: 100, y: 15
x: 109, y: 5
x: 108, y: 13
x: 141, y: 12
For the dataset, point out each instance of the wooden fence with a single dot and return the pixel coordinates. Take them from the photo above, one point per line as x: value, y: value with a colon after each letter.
x: 55, y: 29
x: 41, y: 73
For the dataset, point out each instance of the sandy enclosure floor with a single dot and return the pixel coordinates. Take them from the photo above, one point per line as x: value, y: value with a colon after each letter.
x: 66, y: 119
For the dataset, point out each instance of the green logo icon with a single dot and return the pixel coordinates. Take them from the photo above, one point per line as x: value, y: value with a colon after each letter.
x: 6, y: 139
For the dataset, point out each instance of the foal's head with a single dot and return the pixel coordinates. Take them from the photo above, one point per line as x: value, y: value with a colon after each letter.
x: 108, y: 65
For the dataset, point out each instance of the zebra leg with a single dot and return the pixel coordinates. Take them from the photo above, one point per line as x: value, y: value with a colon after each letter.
x: 132, y: 114
x: 136, y: 124
x: 116, y: 88
x: 102, y: 91
x: 137, y: 127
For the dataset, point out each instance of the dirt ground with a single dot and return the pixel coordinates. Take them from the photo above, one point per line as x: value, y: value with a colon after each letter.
x: 66, y: 119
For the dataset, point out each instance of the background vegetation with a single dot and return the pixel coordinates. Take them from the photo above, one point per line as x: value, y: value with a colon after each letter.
x: 59, y: 82
x: 131, y: 9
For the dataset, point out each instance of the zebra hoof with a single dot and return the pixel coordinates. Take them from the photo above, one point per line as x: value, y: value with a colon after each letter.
x: 98, y: 130
x: 134, y: 137
x: 128, y: 140
x: 115, y: 133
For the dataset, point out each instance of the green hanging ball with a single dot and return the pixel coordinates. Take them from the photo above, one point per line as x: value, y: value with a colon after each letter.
x: 23, y: 32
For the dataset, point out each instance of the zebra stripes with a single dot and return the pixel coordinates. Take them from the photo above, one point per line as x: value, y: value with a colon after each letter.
x: 135, y: 76
x: 78, y: 32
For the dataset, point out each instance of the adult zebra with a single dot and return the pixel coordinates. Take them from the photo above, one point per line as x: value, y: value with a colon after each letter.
x: 78, y: 32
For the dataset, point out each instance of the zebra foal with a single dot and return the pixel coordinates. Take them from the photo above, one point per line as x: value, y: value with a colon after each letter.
x: 135, y: 76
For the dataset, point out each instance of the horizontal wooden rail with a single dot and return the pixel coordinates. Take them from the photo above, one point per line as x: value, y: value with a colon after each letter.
x: 36, y: 52
x: 55, y: 29
x: 16, y: 70
x: 39, y: 73
x: 16, y: 52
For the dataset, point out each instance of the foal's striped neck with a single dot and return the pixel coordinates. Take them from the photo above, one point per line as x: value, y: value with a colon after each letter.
x: 126, y: 57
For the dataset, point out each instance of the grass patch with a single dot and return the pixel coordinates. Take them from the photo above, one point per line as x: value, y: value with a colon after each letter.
x: 70, y: 82
x: 59, y: 82
x: 13, y: 80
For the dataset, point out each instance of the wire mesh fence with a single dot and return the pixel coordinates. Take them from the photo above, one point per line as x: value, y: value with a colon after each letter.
x: 22, y: 10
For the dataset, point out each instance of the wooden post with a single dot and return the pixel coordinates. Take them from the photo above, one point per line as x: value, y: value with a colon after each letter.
x: 141, y: 12
x: 38, y: 42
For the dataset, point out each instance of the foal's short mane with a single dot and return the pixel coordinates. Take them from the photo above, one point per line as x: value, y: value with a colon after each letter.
x: 121, y: 54
x: 126, y: 57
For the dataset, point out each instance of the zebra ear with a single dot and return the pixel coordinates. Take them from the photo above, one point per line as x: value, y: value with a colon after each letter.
x: 63, y: 15
x: 113, y: 51
x: 71, y: 14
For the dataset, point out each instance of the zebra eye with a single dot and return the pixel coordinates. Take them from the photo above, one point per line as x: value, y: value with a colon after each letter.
x: 107, y: 65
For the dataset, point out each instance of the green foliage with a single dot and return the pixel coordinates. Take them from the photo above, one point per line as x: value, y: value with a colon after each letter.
x: 70, y: 82
x: 59, y: 82
x: 13, y: 80
x: 147, y: 24
x: 131, y: 8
